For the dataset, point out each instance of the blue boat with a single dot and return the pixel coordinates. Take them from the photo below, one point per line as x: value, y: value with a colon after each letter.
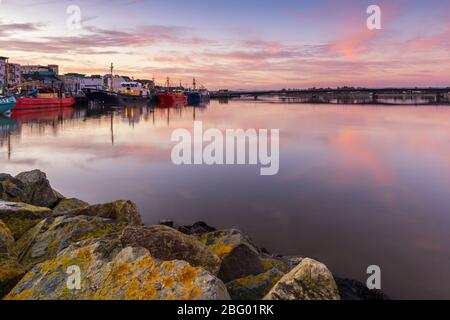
x: 196, y: 98
x: 7, y: 104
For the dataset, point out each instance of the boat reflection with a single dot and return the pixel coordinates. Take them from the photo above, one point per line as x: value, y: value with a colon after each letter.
x: 38, y: 115
x: 7, y: 126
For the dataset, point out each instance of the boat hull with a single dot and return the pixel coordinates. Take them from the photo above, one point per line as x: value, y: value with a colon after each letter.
x: 197, y: 98
x: 42, y: 103
x: 103, y: 97
x: 129, y: 100
x: 171, y: 99
x: 7, y: 104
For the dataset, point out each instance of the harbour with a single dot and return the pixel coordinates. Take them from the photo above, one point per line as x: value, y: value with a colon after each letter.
x: 352, y: 173
x: 224, y: 153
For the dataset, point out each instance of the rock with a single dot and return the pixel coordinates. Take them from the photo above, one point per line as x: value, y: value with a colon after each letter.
x: 254, y: 287
x: 109, y: 272
x: 239, y: 257
x: 197, y: 228
x: 168, y: 223
x: 11, y: 189
x: 54, y: 234
x: 270, y: 263
x: 37, y: 190
x: 122, y: 211
x: 6, y: 242
x: 310, y: 280
x: 355, y: 290
x: 20, y: 217
x: 166, y: 244
x: 66, y: 205
x: 10, y: 271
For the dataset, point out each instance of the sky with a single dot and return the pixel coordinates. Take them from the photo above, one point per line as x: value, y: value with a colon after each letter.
x: 236, y: 44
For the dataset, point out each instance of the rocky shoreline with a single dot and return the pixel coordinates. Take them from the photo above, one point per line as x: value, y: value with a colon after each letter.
x: 43, y: 234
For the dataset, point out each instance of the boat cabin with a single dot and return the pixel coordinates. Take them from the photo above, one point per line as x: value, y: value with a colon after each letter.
x: 133, y: 88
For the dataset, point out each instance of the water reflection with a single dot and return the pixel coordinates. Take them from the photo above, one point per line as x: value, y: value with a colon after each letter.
x: 358, y: 185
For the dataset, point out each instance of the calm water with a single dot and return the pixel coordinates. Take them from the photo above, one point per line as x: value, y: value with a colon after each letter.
x: 357, y: 186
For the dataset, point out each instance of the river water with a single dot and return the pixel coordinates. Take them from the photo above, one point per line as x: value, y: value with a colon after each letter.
x: 357, y: 186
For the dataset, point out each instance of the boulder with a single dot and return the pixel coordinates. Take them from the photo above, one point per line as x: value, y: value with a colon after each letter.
x: 310, y: 280
x: 284, y: 264
x: 10, y: 271
x: 37, y: 190
x: 20, y: 217
x: 109, y: 272
x: 122, y: 211
x: 239, y: 257
x: 11, y: 189
x: 167, y: 244
x: 254, y: 287
x: 355, y: 290
x: 6, y: 242
x: 197, y: 228
x: 66, y: 205
x: 54, y: 234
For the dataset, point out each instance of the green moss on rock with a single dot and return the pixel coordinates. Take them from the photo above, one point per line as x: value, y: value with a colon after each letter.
x: 310, y: 280
x: 239, y: 256
x: 122, y: 211
x: 54, y: 234
x: 117, y: 274
x: 254, y: 287
x: 20, y: 217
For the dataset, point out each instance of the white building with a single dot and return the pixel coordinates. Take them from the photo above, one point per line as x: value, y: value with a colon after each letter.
x: 93, y: 82
x: 76, y: 82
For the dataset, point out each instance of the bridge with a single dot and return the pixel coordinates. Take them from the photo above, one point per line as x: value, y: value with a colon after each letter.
x: 347, y: 95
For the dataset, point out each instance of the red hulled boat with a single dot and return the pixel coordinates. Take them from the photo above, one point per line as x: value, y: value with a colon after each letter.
x: 170, y: 98
x: 45, y: 98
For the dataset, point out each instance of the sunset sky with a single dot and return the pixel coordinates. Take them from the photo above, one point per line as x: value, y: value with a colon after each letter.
x: 237, y: 44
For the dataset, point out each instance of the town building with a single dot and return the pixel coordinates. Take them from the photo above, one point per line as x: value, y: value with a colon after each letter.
x: 14, y: 75
x: 94, y: 82
x: 76, y: 82
x: 50, y: 69
x: 73, y: 82
x: 3, y: 62
x: 10, y: 74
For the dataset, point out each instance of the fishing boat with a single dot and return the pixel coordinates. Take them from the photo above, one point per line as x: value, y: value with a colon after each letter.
x: 133, y: 93
x: 101, y: 96
x: 196, y: 98
x: 7, y: 104
x: 44, y: 98
x: 171, y: 98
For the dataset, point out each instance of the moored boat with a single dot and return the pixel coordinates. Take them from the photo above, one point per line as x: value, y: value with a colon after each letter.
x: 132, y: 93
x: 195, y: 98
x: 101, y: 96
x: 171, y: 98
x: 38, y: 103
x: 7, y: 104
x: 44, y: 98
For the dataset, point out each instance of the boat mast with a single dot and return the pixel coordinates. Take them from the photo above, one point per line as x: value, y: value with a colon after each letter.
x: 194, y: 83
x: 112, y: 79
